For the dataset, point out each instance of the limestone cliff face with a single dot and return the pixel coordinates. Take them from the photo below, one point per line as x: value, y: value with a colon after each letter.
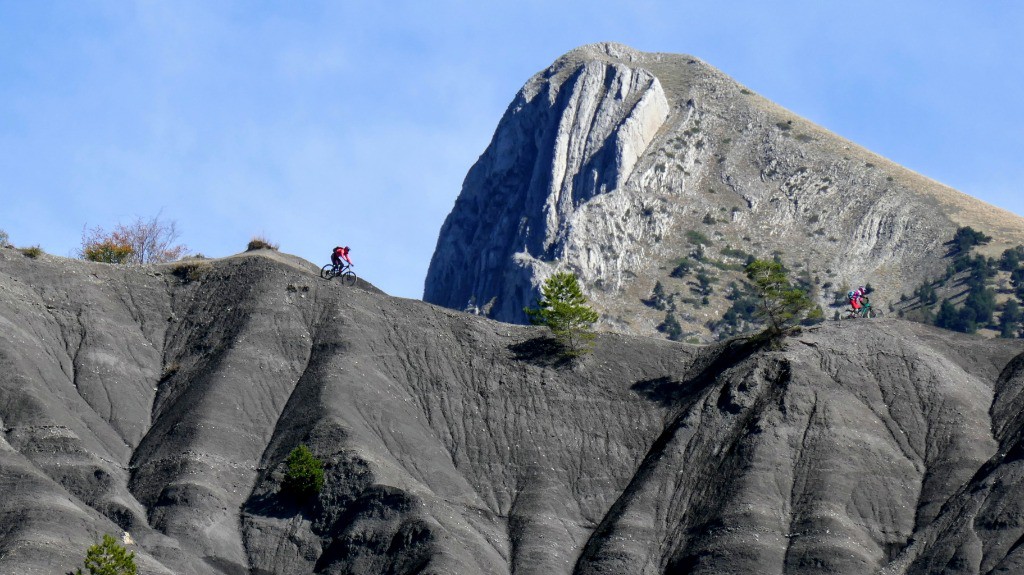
x: 572, y: 134
x: 617, y: 164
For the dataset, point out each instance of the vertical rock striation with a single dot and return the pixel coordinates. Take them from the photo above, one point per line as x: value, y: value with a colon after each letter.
x: 610, y: 161
x: 165, y: 405
x: 571, y: 134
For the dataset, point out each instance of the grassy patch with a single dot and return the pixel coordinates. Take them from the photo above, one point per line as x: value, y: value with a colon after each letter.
x: 696, y: 238
x: 190, y: 270
x: 260, y: 243
x: 731, y: 252
x: 725, y: 266
x: 32, y: 252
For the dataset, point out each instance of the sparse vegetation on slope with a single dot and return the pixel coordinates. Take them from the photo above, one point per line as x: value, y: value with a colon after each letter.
x: 563, y: 308
x: 260, y: 243
x: 191, y: 269
x: 32, y: 252
x: 143, y: 241
x: 107, y: 251
x: 108, y: 558
x: 976, y: 293
x: 305, y: 475
x: 780, y: 304
x: 724, y: 175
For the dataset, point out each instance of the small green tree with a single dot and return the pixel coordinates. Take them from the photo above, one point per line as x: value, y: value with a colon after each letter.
x: 671, y: 328
x: 682, y: 268
x: 108, y: 558
x: 704, y: 282
x: 658, y: 300
x: 305, y: 475
x: 1009, y: 320
x: 1011, y: 258
x: 948, y: 317
x: 926, y: 294
x: 966, y: 238
x: 781, y: 304
x: 563, y: 308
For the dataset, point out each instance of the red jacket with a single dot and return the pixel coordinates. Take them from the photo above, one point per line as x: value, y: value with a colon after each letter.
x: 340, y: 254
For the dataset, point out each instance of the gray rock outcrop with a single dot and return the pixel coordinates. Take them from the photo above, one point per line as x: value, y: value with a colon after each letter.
x: 163, y: 402
x: 617, y: 165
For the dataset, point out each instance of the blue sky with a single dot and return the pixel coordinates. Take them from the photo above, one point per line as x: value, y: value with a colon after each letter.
x: 318, y: 123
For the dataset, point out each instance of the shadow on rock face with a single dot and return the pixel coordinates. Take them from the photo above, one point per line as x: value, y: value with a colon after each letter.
x: 541, y: 351
x: 281, y: 505
x: 668, y: 392
x: 664, y: 391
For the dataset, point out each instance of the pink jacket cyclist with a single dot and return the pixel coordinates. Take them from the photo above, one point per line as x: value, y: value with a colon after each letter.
x: 857, y: 297
x: 339, y: 254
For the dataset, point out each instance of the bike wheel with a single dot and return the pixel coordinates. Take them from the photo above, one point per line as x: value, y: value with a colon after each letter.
x: 326, y: 272
x: 349, y: 278
x: 872, y: 313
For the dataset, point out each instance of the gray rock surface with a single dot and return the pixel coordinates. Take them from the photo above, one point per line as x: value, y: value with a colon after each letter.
x: 164, y: 404
x: 607, y: 162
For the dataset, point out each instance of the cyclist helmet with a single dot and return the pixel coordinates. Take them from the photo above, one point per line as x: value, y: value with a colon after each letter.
x: 345, y: 248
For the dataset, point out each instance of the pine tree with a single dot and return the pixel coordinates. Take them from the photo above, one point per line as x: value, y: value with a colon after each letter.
x: 966, y: 238
x: 671, y: 328
x: 1011, y: 258
x: 658, y: 297
x: 780, y: 303
x: 704, y: 282
x: 948, y: 317
x: 1017, y: 279
x: 108, y: 558
x: 563, y: 308
x: 305, y: 475
x: 1009, y: 320
x: 982, y: 301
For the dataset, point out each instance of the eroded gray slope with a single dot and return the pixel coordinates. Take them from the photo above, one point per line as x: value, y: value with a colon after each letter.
x: 80, y: 357
x: 372, y: 379
x: 981, y: 529
x: 454, y: 444
x: 818, y: 459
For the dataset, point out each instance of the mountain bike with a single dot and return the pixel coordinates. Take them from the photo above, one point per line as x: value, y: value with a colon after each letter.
x: 344, y: 271
x: 865, y: 311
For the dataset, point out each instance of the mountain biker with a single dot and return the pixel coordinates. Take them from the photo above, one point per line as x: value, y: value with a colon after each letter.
x: 857, y: 298
x: 340, y: 253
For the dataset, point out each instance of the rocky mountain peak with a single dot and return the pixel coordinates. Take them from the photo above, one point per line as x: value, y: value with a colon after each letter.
x: 626, y: 167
